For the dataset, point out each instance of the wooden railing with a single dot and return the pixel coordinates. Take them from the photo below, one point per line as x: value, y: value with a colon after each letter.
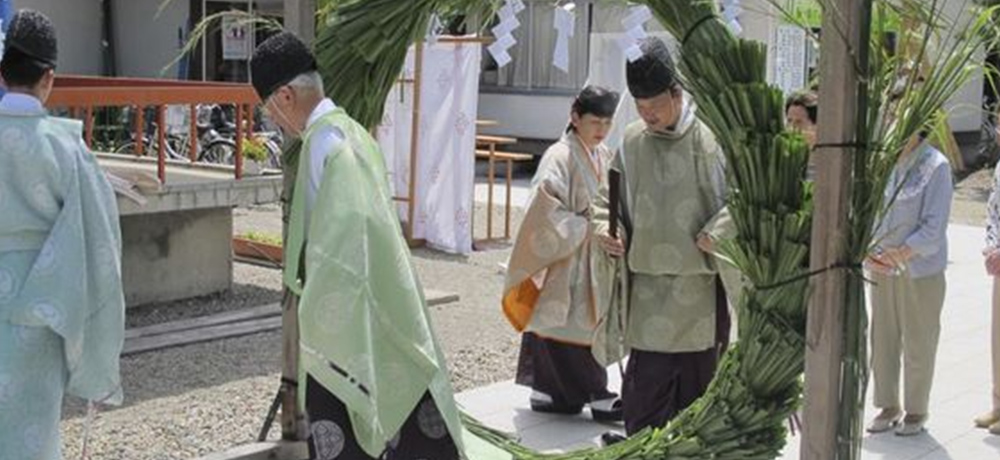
x: 82, y: 95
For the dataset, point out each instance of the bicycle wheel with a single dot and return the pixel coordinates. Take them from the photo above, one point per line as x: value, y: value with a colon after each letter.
x: 129, y: 148
x: 219, y: 151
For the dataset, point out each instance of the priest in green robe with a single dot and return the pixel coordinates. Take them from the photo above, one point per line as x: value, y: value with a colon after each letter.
x: 62, y: 311
x: 373, y: 378
x: 664, y: 312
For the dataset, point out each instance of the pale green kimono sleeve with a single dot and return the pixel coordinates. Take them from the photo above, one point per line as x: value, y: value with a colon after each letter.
x: 365, y: 329
x: 74, y: 287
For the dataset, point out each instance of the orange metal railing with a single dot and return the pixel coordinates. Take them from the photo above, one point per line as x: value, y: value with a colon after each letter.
x: 82, y: 95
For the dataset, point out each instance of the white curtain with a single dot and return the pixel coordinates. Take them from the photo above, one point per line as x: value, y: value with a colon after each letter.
x: 449, y: 93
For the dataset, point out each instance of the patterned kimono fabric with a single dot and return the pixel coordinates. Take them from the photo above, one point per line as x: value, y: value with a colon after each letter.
x: 61, y: 302
x: 374, y: 377
x: 549, y: 293
x: 676, y: 316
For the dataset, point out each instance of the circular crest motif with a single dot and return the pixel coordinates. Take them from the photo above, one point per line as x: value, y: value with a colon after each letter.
x: 48, y: 313
x: 6, y: 388
x: 545, y: 243
x: 43, y: 199
x: 46, y: 259
x: 666, y: 255
x: 8, y: 285
x: 673, y: 172
x: 328, y: 439
x: 430, y: 421
x: 14, y: 138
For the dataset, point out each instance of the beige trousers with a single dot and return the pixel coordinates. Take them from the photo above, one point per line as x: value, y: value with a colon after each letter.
x: 906, y: 321
x: 995, y: 334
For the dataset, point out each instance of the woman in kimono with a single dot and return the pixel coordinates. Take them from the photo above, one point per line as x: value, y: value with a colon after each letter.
x: 549, y: 292
x: 907, y: 269
x: 61, y: 303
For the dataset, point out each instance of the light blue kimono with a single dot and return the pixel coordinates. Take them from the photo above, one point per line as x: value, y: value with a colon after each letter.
x: 61, y: 304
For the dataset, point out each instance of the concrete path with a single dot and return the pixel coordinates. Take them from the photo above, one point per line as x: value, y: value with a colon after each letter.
x: 961, y: 386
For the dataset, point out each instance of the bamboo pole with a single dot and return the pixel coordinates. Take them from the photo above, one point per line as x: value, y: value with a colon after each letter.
x: 845, y: 26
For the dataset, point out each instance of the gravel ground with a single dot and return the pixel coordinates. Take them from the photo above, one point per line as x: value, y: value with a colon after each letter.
x: 971, y: 194
x: 191, y: 401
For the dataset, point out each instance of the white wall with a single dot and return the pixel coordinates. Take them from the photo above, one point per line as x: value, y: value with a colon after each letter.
x: 146, y: 42
x: 78, y: 31
x: 525, y: 115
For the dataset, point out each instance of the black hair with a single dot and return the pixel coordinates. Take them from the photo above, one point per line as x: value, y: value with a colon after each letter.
x: 808, y: 101
x: 18, y: 69
x: 595, y: 100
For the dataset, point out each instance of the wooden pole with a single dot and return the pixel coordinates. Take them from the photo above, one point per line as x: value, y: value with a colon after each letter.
x: 140, y: 130
x: 292, y: 426
x: 193, y: 134
x: 418, y: 71
x: 88, y: 127
x: 291, y: 418
x: 161, y: 143
x: 239, y: 142
x: 845, y: 26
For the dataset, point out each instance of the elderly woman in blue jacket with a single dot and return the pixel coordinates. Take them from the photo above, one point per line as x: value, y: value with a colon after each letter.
x: 907, y: 267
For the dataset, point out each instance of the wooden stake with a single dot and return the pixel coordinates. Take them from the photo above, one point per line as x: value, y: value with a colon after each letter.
x: 845, y: 24
x: 418, y: 72
x: 161, y: 143
x: 292, y: 427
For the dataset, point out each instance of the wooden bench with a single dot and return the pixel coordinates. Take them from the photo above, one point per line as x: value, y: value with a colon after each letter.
x: 510, y: 158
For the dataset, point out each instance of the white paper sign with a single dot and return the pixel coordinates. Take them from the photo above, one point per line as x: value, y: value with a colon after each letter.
x: 518, y: 5
x: 788, y: 69
x: 236, y: 37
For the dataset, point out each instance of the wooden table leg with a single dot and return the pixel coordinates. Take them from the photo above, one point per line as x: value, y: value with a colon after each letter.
x: 506, y: 211
x: 489, y: 196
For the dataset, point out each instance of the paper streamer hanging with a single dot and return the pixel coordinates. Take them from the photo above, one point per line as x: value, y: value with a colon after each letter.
x: 565, y: 25
x: 635, y: 31
x: 731, y: 11
x: 504, y: 32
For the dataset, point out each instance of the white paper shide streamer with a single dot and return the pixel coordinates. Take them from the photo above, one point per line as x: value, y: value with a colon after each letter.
x: 635, y: 31
x: 504, y: 32
x: 565, y: 25
x: 731, y: 11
